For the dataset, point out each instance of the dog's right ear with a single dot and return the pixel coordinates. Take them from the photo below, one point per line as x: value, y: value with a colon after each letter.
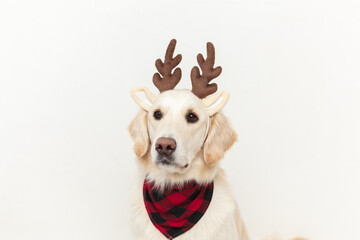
x: 139, y: 133
x: 144, y: 102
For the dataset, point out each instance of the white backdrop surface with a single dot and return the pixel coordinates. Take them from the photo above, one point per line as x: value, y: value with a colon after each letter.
x: 66, y: 69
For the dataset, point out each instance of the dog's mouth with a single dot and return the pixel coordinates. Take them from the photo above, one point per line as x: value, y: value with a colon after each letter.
x: 166, y: 160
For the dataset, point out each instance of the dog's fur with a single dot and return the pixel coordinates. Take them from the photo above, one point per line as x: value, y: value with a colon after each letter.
x: 200, y: 147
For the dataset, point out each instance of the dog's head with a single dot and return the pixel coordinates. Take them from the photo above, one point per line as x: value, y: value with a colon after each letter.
x: 180, y: 128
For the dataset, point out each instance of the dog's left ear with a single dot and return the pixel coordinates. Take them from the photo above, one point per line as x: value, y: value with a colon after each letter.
x: 220, y: 138
x: 139, y: 133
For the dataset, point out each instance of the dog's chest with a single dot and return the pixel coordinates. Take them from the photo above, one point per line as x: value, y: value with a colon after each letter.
x: 217, y: 223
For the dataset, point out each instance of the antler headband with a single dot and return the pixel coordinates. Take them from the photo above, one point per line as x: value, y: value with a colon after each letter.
x: 201, y: 86
x: 167, y: 78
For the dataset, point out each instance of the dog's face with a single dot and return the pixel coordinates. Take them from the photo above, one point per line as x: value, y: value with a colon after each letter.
x: 178, y: 125
x: 178, y: 134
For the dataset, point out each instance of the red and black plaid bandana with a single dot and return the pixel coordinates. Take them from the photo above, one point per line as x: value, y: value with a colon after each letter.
x: 177, y: 210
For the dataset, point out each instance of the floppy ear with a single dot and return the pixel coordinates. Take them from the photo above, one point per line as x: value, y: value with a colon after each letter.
x: 220, y: 138
x: 139, y: 133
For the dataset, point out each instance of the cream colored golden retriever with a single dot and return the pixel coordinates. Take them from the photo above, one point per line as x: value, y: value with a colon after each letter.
x: 179, y: 138
x: 200, y: 146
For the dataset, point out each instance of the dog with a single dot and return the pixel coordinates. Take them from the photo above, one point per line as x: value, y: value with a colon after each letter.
x: 179, y: 138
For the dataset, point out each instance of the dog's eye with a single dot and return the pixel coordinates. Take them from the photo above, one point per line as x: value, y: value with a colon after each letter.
x: 157, y: 115
x: 191, y: 118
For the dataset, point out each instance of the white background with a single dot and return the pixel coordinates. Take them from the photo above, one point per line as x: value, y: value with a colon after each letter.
x: 66, y: 69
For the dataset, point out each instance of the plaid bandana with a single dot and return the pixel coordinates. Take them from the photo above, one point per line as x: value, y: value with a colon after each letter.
x: 177, y: 210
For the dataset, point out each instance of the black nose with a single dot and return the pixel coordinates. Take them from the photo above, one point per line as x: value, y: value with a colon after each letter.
x: 165, y: 146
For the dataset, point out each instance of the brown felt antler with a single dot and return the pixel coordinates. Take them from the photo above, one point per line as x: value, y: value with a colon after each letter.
x: 200, y: 83
x: 168, y: 80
